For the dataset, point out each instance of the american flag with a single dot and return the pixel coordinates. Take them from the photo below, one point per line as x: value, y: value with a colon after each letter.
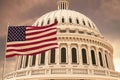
x: 29, y: 40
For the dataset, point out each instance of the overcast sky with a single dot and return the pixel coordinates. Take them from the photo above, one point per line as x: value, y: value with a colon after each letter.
x: 104, y: 13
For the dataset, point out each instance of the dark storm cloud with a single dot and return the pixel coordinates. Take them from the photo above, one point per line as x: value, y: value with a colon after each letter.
x: 20, y: 12
x: 105, y: 14
x: 108, y: 18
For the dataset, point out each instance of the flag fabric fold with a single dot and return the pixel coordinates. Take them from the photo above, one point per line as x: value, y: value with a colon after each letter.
x: 30, y: 40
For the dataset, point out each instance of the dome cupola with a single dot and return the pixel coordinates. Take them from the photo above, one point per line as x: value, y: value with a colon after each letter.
x: 63, y: 4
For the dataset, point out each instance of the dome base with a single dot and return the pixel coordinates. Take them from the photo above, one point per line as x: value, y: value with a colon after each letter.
x: 63, y: 74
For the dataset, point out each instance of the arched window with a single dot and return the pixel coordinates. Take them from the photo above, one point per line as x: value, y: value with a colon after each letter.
x: 84, y: 22
x: 77, y: 21
x: 70, y: 20
x: 93, y: 57
x: 106, y: 61
x: 63, y: 55
x: 52, y: 56
x: 26, y: 61
x: 84, y: 56
x: 33, y: 60
x: 21, y: 61
x: 42, y: 58
x: 48, y: 22
x: 74, y: 55
x: 100, y: 58
x: 63, y: 20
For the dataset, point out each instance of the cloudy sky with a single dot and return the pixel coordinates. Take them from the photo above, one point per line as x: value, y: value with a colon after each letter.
x: 104, y: 13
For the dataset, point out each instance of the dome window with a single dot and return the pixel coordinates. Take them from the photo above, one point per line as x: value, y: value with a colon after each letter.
x: 106, y: 61
x: 52, y: 56
x: 42, y: 23
x: 33, y: 60
x: 100, y: 58
x: 77, y: 21
x: 48, y: 22
x: 63, y: 55
x: 70, y: 20
x: 81, y: 32
x: 74, y: 55
x: 72, y: 31
x: 21, y: 61
x: 62, y: 31
x: 89, y: 24
x: 37, y: 24
x: 63, y: 20
x: 93, y: 57
x: 42, y: 58
x: 55, y: 20
x: 84, y: 22
x: 26, y: 61
x: 84, y: 56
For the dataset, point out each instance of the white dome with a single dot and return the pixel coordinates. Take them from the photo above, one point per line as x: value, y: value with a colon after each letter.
x: 63, y: 17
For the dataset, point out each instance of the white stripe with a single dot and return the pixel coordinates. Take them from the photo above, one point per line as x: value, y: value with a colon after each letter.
x: 31, y: 46
x: 41, y: 27
x: 41, y: 39
x: 32, y: 51
x: 40, y: 34
x: 29, y: 31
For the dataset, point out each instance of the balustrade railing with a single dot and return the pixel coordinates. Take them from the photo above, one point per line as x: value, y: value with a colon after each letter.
x: 63, y: 71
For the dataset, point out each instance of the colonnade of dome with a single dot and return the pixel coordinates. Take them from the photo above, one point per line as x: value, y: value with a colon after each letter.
x: 71, y: 53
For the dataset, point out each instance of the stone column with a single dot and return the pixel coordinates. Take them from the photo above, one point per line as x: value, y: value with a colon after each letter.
x: 79, y: 55
x: 109, y: 61
x: 104, y: 60
x: 57, y: 55
x: 89, y: 56
x: 98, y: 58
x: 30, y: 61
x: 23, y: 61
x: 37, y: 60
x: 18, y: 62
x: 69, y: 53
x: 112, y: 63
x: 47, y: 57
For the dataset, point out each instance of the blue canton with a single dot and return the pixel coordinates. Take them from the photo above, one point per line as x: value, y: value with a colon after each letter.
x: 16, y: 33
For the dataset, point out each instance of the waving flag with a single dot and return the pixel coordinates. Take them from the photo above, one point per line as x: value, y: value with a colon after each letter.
x: 29, y: 40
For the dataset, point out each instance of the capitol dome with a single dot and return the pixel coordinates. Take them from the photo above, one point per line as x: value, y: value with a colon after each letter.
x: 67, y: 17
x: 83, y: 53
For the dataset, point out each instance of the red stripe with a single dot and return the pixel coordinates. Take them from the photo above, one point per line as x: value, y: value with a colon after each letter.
x: 14, y: 54
x: 42, y: 27
x: 46, y: 35
x: 37, y: 32
x: 42, y: 51
x: 25, y: 44
x: 29, y: 49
